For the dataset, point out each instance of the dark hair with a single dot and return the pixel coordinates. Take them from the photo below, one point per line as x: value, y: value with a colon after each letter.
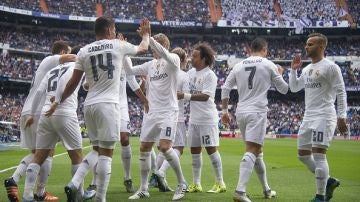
x: 102, y: 23
x: 75, y: 49
x: 180, y: 52
x: 206, y: 52
x: 59, y: 46
x: 321, y: 38
x: 258, y: 44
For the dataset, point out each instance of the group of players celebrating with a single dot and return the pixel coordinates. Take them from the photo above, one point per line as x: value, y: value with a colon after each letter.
x: 103, y: 68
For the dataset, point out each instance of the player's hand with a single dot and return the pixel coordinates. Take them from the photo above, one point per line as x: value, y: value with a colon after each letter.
x: 52, y: 99
x: 296, y: 63
x: 225, y: 119
x: 279, y: 69
x: 180, y: 95
x: 52, y: 109
x: 146, y: 107
x: 144, y: 27
x: 341, y: 124
x: 29, y: 121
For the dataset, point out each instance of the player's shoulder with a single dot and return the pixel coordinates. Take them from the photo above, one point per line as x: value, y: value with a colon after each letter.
x: 329, y: 63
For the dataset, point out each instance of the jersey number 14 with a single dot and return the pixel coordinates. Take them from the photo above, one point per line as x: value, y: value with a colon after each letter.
x: 97, y: 61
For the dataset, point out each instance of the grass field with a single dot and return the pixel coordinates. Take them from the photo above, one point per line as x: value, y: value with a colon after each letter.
x: 286, y: 174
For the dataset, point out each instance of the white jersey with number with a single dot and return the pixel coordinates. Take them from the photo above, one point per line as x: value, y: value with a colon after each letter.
x: 53, y: 84
x: 205, y: 82
x: 323, y: 83
x: 253, y: 78
x: 102, y: 62
x: 45, y: 66
x: 162, y: 76
x: 181, y: 84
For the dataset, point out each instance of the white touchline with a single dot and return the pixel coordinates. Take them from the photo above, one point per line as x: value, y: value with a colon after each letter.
x: 7, y: 169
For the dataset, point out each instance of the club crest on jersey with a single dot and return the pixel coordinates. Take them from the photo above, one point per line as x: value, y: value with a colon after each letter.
x: 317, y: 73
x: 310, y: 72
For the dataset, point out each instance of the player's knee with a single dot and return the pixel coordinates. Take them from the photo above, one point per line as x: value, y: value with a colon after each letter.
x: 124, y: 142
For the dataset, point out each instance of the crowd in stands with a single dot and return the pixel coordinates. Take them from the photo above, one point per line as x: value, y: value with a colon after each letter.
x: 22, y: 4
x: 72, y: 7
x: 186, y: 10
x: 130, y: 9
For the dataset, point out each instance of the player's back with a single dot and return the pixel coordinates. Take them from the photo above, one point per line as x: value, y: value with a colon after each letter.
x: 45, y: 66
x: 253, y: 79
x: 102, y: 63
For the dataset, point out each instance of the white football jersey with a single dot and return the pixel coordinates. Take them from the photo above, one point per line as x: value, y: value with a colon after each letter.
x: 133, y: 84
x: 323, y: 82
x: 162, y: 76
x: 53, y: 84
x: 181, y: 84
x: 253, y: 78
x: 203, y: 81
x: 45, y: 66
x: 102, y: 62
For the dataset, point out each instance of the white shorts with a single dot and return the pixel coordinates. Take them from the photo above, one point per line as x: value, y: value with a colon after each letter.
x: 55, y: 128
x: 317, y: 133
x: 203, y: 135
x: 180, y: 136
x: 103, y: 123
x: 125, y: 120
x: 28, y: 135
x: 159, y: 125
x: 252, y: 126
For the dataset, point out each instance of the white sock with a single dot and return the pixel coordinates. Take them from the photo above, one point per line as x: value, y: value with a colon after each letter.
x: 260, y: 170
x: 153, y: 160
x: 173, y: 159
x: 321, y: 172
x: 87, y: 163
x: 32, y: 172
x: 103, y: 171
x: 44, y: 173
x: 165, y: 166
x: 196, y: 168
x: 160, y: 158
x: 21, y: 169
x: 126, y: 160
x: 246, y: 167
x: 308, y: 160
x: 217, y: 165
x: 144, y: 170
x: 93, y: 181
x: 73, y: 171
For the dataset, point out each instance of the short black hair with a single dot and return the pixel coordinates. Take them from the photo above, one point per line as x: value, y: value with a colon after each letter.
x: 75, y: 50
x: 102, y: 23
x: 59, y: 46
x: 206, y: 52
x: 322, y: 38
x: 258, y: 44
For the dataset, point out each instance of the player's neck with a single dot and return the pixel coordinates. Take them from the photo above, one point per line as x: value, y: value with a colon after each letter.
x: 317, y: 59
x: 258, y: 54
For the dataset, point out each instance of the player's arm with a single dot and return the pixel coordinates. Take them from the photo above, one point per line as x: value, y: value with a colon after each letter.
x: 295, y: 83
x: 337, y: 83
x: 72, y: 84
x: 139, y: 70
x: 136, y: 88
x: 144, y: 31
x: 209, y: 89
x: 230, y: 82
x: 278, y: 80
x: 172, y: 58
x: 67, y: 58
x: 41, y: 90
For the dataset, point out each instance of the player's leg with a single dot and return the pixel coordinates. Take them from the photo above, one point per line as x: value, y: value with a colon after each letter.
x: 103, y: 169
x: 194, y: 140
x: 210, y: 140
x: 126, y: 154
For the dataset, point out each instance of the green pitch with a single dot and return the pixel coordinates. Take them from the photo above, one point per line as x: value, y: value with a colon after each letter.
x: 286, y: 174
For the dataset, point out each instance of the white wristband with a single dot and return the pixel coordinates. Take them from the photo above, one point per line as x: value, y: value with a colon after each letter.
x: 187, y: 96
x: 225, y: 111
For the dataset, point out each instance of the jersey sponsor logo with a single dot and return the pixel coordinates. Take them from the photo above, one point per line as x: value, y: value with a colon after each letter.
x: 313, y: 85
x: 100, y: 47
x: 158, y: 76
